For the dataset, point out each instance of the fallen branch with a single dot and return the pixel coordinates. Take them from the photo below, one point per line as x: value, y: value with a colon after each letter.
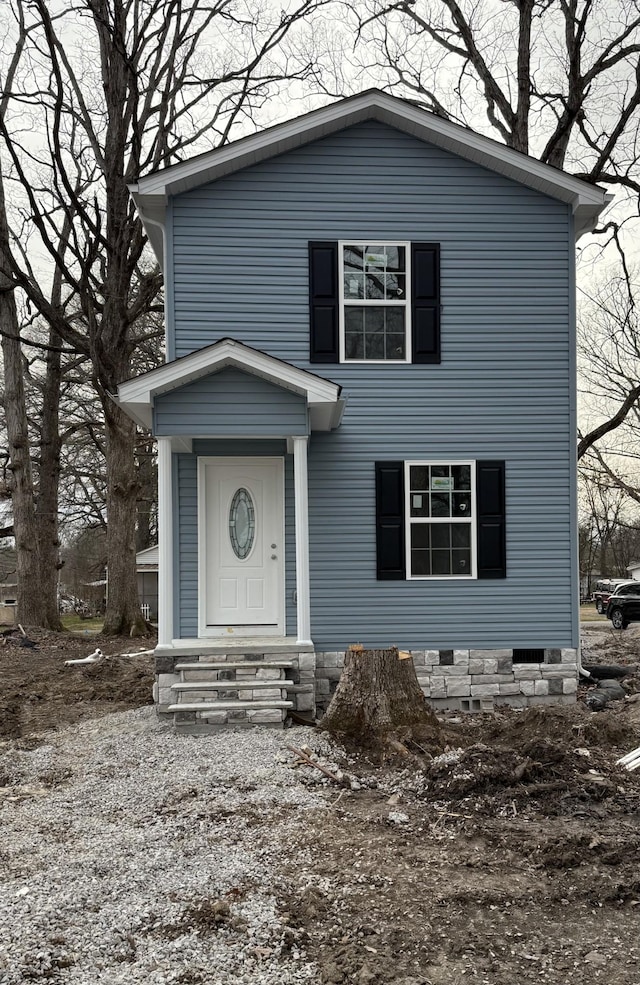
x: 343, y: 781
x: 550, y: 786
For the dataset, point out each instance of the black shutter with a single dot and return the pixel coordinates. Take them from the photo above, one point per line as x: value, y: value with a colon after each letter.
x: 390, y: 559
x: 425, y: 302
x: 490, y: 500
x: 323, y: 300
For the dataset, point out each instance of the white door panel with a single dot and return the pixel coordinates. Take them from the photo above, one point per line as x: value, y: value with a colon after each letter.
x: 243, y: 565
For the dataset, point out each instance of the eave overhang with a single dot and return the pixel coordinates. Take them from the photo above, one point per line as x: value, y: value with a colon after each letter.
x: 136, y: 396
x: 151, y: 193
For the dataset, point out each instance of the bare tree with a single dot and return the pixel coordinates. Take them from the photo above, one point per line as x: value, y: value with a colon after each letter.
x: 171, y: 76
x: 34, y: 518
x: 557, y: 80
x: 605, y: 511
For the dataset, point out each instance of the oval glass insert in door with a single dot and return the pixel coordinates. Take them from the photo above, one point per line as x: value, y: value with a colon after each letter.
x: 242, y: 523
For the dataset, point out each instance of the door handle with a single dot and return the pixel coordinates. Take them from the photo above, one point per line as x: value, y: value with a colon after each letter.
x: 274, y: 557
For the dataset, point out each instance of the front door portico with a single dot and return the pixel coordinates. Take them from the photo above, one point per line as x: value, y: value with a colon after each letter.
x: 232, y: 393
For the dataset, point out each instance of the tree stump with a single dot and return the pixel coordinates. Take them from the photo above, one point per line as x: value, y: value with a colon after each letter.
x: 378, y: 696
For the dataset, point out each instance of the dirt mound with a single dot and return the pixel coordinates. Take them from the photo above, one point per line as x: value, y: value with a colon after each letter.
x: 557, y: 756
x: 38, y: 692
x: 567, y: 725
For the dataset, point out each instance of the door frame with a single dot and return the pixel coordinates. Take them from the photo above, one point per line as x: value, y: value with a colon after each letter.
x: 238, y: 632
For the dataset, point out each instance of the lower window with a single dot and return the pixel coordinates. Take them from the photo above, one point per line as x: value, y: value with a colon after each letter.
x: 440, y: 517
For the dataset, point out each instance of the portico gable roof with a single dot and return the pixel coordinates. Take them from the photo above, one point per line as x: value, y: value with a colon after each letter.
x: 136, y: 396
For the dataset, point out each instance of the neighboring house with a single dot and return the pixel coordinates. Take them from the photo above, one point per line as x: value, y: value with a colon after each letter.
x: 634, y: 570
x: 8, y: 603
x: 147, y: 575
x: 366, y: 424
x: 8, y: 593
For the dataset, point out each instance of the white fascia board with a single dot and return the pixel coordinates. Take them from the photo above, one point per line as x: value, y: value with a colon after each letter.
x: 590, y: 199
x: 495, y: 156
x: 136, y: 396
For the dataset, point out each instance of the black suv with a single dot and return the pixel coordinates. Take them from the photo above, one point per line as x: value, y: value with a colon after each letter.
x: 604, y: 590
x: 623, y: 606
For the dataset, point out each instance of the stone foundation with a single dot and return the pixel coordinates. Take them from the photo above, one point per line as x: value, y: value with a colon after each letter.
x: 474, y: 680
x: 456, y: 680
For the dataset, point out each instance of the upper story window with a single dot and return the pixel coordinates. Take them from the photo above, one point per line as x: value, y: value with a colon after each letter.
x: 374, y: 302
x: 374, y: 310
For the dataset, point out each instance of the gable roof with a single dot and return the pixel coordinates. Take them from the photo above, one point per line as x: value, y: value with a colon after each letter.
x: 148, y: 558
x: 152, y: 192
x: 136, y: 396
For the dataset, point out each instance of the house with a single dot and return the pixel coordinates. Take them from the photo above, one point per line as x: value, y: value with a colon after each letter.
x: 634, y: 570
x: 147, y: 577
x: 366, y: 423
x: 8, y: 603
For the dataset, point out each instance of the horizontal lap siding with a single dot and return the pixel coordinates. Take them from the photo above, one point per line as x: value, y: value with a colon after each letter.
x: 230, y: 403
x: 185, y: 618
x: 502, y: 391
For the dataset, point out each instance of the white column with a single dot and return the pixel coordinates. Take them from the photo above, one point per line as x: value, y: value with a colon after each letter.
x: 165, y: 543
x: 301, y: 499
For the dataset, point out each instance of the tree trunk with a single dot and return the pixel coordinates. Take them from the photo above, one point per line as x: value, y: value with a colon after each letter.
x: 48, y: 486
x: 29, y: 592
x: 147, y: 497
x: 377, y: 695
x: 123, y: 615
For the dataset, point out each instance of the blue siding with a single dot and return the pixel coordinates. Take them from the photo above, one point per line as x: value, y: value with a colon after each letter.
x: 186, y: 594
x: 230, y: 403
x: 504, y: 388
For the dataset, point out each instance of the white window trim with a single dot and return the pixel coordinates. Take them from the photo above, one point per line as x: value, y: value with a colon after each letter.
x: 409, y: 520
x: 406, y: 304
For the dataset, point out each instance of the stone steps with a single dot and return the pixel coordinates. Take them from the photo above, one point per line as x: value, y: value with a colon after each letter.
x: 260, y: 700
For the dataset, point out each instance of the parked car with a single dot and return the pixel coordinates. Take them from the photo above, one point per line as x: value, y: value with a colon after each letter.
x: 623, y: 606
x: 605, y: 588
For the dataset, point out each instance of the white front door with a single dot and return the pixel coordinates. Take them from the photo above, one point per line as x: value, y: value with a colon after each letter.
x: 242, y: 533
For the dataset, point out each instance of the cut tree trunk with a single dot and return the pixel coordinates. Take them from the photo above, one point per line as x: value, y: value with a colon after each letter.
x: 378, y: 695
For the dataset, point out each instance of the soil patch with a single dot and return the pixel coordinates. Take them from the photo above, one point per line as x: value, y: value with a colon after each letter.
x: 510, y: 856
x: 38, y: 692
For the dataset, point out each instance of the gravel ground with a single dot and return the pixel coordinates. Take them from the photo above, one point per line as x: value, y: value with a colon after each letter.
x: 131, y: 855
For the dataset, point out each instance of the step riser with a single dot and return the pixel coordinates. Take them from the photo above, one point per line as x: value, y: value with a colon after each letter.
x: 252, y: 685
x: 215, y: 706
x: 265, y: 717
x: 236, y: 665
x: 232, y: 694
x: 214, y: 676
